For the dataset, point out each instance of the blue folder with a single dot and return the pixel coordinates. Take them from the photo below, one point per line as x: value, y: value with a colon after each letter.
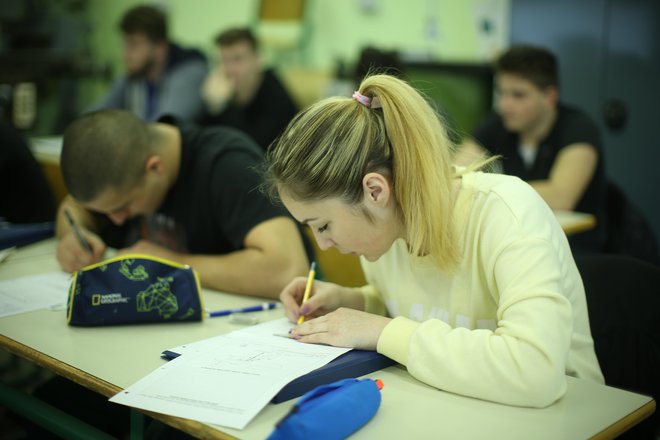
x: 19, y: 234
x: 354, y: 363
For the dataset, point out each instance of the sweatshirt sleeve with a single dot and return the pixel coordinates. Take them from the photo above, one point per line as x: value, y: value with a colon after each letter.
x: 522, y: 362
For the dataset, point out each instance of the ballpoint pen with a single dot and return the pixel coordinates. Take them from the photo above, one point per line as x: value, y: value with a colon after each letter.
x: 308, y: 289
x: 84, y: 243
x: 257, y: 308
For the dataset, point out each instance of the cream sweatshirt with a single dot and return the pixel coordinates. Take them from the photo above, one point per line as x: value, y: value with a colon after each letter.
x: 510, y: 323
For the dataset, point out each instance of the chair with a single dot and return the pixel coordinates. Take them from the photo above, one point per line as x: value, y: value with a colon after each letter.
x: 628, y: 231
x: 623, y: 299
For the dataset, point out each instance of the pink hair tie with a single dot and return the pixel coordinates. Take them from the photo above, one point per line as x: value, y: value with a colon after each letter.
x: 364, y: 100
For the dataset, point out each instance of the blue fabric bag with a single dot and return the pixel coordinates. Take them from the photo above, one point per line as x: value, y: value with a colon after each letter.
x: 330, y: 412
x: 134, y: 288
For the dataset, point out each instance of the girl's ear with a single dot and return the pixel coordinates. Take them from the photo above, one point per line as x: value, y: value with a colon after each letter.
x: 153, y: 163
x: 376, y: 189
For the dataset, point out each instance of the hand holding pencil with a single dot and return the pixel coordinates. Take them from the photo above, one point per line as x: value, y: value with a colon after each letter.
x: 78, y: 247
x: 323, y: 298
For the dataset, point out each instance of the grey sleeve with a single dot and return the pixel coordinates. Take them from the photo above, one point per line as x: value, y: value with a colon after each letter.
x: 180, y: 93
x: 114, y: 98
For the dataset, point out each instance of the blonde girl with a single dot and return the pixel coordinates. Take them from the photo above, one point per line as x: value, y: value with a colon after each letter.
x: 471, y: 282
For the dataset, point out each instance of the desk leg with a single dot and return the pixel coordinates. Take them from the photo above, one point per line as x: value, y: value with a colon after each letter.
x: 137, y: 425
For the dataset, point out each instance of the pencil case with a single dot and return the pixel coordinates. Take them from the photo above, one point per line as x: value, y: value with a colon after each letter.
x: 132, y: 289
x: 332, y: 411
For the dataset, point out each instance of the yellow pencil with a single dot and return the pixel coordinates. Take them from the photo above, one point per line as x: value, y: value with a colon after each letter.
x: 308, y: 288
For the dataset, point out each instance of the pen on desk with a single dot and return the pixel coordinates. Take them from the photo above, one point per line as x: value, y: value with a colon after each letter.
x: 257, y: 308
x: 84, y: 243
x: 308, y: 289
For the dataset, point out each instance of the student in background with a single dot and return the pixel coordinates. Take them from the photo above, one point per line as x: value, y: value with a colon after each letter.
x: 555, y: 147
x: 176, y: 192
x: 476, y: 276
x: 161, y: 77
x: 239, y: 93
x: 26, y: 194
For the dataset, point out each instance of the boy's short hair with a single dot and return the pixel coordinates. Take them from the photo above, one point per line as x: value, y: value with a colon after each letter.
x: 236, y: 35
x: 146, y: 20
x: 535, y: 64
x: 104, y: 150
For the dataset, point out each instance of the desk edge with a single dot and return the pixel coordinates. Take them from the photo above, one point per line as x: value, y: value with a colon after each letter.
x: 624, y: 424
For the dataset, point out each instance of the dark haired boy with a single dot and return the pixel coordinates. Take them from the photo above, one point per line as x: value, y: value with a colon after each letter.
x: 555, y: 147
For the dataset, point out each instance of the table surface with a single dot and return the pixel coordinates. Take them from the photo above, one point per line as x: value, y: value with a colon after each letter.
x: 108, y: 359
x: 573, y: 222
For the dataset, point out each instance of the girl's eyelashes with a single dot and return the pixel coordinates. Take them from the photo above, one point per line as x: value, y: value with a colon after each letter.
x: 322, y: 228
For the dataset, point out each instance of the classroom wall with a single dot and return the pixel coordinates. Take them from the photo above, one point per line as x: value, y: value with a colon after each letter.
x: 436, y: 29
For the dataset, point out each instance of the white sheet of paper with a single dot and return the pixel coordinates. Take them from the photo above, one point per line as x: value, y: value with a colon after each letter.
x: 33, y: 292
x: 228, y: 379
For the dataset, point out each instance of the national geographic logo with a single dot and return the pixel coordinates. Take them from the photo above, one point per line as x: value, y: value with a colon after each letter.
x: 108, y: 298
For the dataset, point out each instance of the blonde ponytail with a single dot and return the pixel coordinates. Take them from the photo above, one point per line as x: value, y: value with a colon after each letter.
x: 422, y: 171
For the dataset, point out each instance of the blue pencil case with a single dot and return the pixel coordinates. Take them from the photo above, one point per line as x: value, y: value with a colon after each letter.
x: 134, y: 288
x: 330, y: 412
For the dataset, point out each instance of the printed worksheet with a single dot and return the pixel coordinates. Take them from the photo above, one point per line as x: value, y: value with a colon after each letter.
x: 228, y: 379
x: 34, y: 292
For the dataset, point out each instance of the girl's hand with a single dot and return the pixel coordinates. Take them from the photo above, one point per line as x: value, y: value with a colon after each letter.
x: 324, y: 297
x: 343, y: 328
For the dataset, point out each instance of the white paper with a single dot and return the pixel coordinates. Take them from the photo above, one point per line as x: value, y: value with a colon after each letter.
x: 228, y: 379
x: 20, y: 295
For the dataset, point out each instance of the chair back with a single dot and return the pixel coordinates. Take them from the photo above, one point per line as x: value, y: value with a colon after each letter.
x: 623, y: 299
x: 628, y: 231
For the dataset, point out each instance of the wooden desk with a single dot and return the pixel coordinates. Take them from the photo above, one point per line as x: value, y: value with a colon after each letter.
x: 573, y: 222
x: 108, y: 359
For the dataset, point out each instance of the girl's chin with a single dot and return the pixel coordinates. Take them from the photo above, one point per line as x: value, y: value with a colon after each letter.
x: 371, y: 258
